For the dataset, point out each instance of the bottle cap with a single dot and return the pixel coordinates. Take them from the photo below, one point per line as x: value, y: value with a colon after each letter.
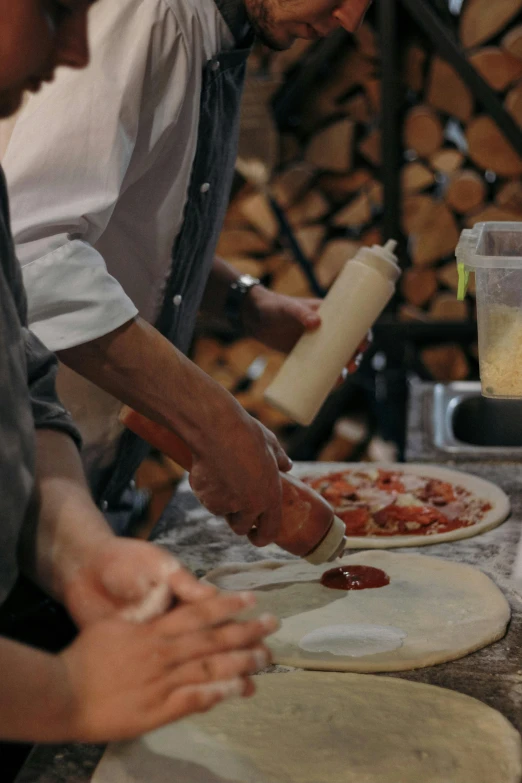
x: 331, y: 546
x: 389, y: 248
x: 382, y: 257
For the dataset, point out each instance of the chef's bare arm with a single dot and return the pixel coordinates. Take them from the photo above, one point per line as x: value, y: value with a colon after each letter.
x: 236, y: 460
x: 275, y: 319
x: 51, y: 548
x: 138, y: 366
x: 218, y: 286
x: 217, y: 290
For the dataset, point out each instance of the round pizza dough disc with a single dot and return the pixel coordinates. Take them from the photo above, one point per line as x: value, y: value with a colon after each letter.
x: 306, y: 727
x: 432, y: 611
x: 500, y: 506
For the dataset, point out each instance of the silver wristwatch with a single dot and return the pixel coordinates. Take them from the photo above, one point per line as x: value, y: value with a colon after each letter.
x: 236, y: 294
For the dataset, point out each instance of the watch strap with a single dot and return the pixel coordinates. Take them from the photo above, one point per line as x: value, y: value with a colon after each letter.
x: 236, y: 295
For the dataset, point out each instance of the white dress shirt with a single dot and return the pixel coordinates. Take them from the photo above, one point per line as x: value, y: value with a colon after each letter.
x: 98, y: 168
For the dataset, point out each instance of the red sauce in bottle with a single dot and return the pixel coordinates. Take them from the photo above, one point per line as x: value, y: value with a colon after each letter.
x: 308, y: 517
x: 356, y: 577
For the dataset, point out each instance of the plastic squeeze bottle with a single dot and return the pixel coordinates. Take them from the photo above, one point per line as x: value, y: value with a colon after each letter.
x: 309, y: 528
x: 354, y: 302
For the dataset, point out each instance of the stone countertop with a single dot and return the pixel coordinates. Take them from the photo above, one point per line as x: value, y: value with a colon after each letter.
x: 493, y: 675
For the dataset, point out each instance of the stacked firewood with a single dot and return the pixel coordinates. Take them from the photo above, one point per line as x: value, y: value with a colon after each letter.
x: 457, y: 169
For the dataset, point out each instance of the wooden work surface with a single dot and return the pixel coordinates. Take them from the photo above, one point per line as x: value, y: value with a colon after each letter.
x: 493, y: 675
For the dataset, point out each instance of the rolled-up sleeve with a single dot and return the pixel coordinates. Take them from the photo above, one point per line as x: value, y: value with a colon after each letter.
x: 47, y: 410
x: 73, y: 298
x: 69, y: 159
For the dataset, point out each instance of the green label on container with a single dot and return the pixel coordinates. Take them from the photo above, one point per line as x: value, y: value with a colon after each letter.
x: 463, y: 281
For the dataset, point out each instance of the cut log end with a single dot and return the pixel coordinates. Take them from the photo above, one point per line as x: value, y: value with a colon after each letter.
x: 466, y: 191
x: 423, y: 131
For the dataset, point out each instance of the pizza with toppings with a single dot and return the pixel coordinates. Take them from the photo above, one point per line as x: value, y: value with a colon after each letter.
x: 407, y: 505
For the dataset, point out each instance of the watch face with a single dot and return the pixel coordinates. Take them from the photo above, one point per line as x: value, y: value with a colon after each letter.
x: 247, y: 280
x: 237, y: 292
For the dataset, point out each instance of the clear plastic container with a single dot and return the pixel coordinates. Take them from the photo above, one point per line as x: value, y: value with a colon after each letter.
x: 494, y: 252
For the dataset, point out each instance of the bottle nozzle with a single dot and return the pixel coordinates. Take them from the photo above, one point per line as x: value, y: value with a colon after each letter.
x: 390, y: 245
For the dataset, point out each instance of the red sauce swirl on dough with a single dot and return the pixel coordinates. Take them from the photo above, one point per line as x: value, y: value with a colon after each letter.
x: 356, y: 577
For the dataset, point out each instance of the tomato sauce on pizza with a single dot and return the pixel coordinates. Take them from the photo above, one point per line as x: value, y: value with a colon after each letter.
x: 396, y: 503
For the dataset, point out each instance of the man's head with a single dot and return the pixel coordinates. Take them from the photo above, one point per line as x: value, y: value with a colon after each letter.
x: 279, y: 22
x: 36, y: 36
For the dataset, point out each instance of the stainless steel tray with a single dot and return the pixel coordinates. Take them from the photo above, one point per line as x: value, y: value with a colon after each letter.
x: 464, y: 422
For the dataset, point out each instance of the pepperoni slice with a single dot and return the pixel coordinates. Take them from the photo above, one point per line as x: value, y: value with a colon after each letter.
x: 389, y: 481
x: 437, y: 492
x: 355, y: 520
x: 335, y: 488
x: 410, y: 519
x: 338, y: 491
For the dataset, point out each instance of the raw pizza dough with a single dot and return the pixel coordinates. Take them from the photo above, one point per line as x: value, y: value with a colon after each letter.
x: 307, y: 727
x: 432, y: 611
x: 500, y: 506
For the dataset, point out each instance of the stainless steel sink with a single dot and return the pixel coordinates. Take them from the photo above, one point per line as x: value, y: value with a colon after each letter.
x: 465, y: 423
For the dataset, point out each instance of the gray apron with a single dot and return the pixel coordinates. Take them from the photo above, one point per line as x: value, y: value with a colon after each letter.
x: 193, y: 253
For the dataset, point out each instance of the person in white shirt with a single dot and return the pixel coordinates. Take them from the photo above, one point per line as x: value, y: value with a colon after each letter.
x: 121, y: 676
x: 119, y: 179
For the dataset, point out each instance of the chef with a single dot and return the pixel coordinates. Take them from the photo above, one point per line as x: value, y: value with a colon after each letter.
x: 119, y: 179
x: 119, y: 678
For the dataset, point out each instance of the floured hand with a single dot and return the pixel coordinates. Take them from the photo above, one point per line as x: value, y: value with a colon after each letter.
x: 124, y: 679
x: 132, y: 579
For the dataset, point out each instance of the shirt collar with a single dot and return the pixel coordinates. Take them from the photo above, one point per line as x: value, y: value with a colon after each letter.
x: 235, y: 15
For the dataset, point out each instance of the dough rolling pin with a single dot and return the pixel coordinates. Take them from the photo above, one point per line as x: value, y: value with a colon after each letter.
x: 309, y: 528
